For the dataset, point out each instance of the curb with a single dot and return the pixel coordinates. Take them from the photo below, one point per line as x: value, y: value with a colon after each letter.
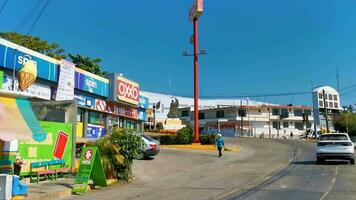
x: 200, y: 147
x: 60, y: 193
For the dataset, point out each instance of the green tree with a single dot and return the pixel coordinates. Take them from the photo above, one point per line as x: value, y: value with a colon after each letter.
x: 87, y: 64
x: 345, y: 121
x: 35, y: 43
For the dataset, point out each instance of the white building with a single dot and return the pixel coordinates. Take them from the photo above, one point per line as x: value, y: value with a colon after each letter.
x: 332, y: 105
x: 257, y: 121
x: 184, y: 102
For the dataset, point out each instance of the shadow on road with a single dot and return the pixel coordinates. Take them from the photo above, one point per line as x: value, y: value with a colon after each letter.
x: 313, y: 162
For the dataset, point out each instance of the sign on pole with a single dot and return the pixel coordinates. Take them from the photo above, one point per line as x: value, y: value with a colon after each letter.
x: 65, y: 90
x: 196, y: 10
x: 89, y: 167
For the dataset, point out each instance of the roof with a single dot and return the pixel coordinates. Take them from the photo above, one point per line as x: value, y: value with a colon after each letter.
x: 327, y: 89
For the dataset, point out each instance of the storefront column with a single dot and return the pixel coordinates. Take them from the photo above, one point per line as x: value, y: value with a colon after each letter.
x: 85, y: 122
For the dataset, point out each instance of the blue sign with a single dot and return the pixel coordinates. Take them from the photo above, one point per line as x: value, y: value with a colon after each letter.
x: 95, y: 131
x: 11, y: 58
x: 142, y: 114
x: 85, y: 101
x: 91, y: 83
x: 143, y: 102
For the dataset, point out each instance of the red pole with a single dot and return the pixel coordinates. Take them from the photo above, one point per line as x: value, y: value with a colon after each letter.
x: 196, y: 115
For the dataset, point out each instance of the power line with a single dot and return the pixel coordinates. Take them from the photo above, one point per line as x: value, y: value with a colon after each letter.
x: 28, y: 16
x: 348, y: 87
x: 3, y: 6
x: 38, y: 17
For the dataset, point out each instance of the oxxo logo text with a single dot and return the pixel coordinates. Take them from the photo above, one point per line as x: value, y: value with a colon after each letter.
x: 25, y: 58
x: 127, y: 90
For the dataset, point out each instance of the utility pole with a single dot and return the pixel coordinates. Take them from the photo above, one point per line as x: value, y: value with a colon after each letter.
x: 269, y: 122
x: 242, y: 119
x: 154, y: 116
x: 337, y: 79
x: 326, y: 113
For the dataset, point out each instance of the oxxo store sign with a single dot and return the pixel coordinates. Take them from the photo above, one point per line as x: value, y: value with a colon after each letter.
x: 127, y: 91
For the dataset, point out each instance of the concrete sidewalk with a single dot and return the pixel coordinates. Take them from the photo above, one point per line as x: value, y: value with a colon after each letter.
x: 50, y: 189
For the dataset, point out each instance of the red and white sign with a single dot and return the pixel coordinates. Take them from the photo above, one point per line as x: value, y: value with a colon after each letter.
x: 100, y: 105
x: 196, y: 10
x: 88, y: 154
x: 127, y: 91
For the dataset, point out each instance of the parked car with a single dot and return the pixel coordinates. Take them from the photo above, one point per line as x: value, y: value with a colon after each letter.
x: 335, y: 146
x: 150, y: 146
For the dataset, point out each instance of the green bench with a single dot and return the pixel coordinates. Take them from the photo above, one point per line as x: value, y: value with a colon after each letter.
x: 48, y: 169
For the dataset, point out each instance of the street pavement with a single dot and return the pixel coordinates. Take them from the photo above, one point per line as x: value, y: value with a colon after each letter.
x: 263, y: 169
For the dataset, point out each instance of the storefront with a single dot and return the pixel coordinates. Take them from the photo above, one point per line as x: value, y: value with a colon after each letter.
x: 123, y: 102
x: 91, y: 92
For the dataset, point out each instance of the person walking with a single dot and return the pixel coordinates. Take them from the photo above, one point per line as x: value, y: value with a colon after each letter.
x: 219, y: 142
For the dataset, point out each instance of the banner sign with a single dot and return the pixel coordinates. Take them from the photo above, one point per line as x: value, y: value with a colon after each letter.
x: 57, y: 145
x: 90, y: 102
x: 13, y: 56
x: 89, y: 167
x: 65, y: 90
x: 142, y: 114
x: 143, y: 102
x: 1, y: 78
x: 196, y: 10
x: 37, y: 90
x: 122, y: 110
x: 127, y: 91
x: 95, y: 131
x: 91, y: 83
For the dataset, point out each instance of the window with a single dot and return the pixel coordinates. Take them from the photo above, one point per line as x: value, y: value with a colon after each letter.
x: 298, y: 125
x: 331, y: 104
x: 330, y: 97
x: 185, y: 113
x: 336, y: 105
x: 320, y: 96
x: 298, y: 112
x: 284, y: 113
x: 308, y: 124
x: 308, y: 112
x: 275, y: 111
x: 96, y: 118
x: 335, y: 97
x: 219, y: 114
x: 321, y: 104
x: 285, y: 124
x: 201, y: 116
x: 275, y: 125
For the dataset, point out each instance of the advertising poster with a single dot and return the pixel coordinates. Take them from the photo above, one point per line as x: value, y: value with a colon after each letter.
x: 142, y: 114
x: 91, y: 83
x: 10, y: 52
x: 95, y: 131
x: 58, y: 145
x: 65, y: 90
x: 127, y: 91
x: 34, y: 90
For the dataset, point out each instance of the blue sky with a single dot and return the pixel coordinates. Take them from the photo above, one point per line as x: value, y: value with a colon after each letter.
x: 254, y: 46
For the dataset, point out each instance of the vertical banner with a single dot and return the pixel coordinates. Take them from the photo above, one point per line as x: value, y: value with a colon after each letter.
x: 89, y: 167
x: 65, y: 90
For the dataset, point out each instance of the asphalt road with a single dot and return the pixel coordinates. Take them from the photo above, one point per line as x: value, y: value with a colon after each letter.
x: 264, y: 169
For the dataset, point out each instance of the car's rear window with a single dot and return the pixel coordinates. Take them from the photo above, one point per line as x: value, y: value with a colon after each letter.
x: 333, y: 137
x: 148, y: 138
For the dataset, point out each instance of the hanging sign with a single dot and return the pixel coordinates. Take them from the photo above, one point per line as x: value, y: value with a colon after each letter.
x: 89, y: 167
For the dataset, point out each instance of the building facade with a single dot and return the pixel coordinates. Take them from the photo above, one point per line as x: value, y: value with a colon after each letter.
x: 254, y: 121
x: 331, y: 106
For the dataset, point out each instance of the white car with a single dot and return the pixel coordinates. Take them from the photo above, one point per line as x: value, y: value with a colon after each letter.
x: 335, y: 146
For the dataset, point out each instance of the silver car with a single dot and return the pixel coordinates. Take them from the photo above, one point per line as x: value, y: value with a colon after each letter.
x: 335, y: 146
x: 150, y: 146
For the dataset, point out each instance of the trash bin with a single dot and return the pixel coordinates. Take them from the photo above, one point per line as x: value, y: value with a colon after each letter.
x: 5, y: 186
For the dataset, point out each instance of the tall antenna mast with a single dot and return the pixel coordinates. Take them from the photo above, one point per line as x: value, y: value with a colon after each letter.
x: 337, y: 79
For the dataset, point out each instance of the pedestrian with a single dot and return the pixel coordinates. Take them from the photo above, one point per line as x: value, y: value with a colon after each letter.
x: 18, y: 165
x: 219, y: 142
x: 291, y: 134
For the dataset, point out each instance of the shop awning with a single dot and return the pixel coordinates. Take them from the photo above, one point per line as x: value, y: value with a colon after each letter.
x: 17, y: 121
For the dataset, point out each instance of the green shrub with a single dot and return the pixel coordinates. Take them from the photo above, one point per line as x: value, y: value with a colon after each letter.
x: 168, y: 139
x: 185, y: 135
x: 207, y: 139
x: 118, y: 150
